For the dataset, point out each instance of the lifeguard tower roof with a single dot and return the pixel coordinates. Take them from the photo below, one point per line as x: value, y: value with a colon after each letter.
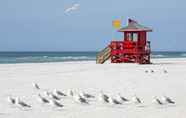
x: 134, y: 26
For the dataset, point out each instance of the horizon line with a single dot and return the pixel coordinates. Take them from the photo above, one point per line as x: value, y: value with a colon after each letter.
x: 93, y: 51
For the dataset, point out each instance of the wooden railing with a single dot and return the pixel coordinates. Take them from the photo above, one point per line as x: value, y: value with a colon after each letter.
x: 103, y: 55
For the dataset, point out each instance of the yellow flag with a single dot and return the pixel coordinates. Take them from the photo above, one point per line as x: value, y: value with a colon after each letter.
x: 116, y: 23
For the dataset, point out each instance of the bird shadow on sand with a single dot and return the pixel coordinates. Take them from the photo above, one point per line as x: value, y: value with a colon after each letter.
x: 165, y: 106
x: 22, y: 109
x: 25, y: 109
x: 117, y: 106
x: 58, y: 109
x: 141, y: 106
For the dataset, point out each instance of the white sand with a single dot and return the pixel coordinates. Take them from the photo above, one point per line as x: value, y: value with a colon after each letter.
x: 128, y: 79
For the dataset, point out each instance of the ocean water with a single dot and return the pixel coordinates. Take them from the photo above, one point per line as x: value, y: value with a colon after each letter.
x: 41, y: 57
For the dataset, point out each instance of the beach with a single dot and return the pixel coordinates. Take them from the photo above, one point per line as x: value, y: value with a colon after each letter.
x: 127, y: 79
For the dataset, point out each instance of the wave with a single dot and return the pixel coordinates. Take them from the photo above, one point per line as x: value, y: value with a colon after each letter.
x: 42, y: 59
x: 39, y: 57
x: 158, y: 56
x: 183, y: 55
x: 73, y: 57
x: 169, y: 55
x: 56, y: 58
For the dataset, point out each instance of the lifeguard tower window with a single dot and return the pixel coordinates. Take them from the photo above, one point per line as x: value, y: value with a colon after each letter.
x: 132, y: 37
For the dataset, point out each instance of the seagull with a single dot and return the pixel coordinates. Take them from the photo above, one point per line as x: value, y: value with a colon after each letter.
x: 152, y: 71
x: 36, y: 86
x: 46, y: 93
x: 156, y: 100
x: 70, y: 93
x: 11, y: 100
x: 79, y: 99
x: 21, y: 103
x: 168, y: 100
x: 103, y: 97
x: 56, y: 103
x: 72, y: 8
x: 113, y: 101
x: 57, y: 92
x: 42, y: 99
x: 86, y: 95
x: 165, y: 71
x: 51, y: 95
x: 54, y: 96
x: 121, y: 98
x: 136, y: 99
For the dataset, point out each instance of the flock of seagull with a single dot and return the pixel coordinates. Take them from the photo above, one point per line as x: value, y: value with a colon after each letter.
x: 152, y: 71
x: 55, y: 97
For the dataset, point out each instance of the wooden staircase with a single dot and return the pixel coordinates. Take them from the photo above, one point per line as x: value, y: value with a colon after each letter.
x: 103, y: 55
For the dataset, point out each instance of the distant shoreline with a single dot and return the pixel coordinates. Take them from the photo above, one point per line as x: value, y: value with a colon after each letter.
x: 48, y: 57
x: 75, y: 51
x: 153, y: 60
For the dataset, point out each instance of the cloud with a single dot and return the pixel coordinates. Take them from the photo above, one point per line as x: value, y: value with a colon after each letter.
x: 74, y: 7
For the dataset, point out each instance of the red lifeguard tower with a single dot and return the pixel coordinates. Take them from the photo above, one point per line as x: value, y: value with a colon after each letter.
x: 133, y: 49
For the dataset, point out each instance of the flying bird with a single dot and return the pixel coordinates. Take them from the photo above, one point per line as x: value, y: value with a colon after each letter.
x: 72, y: 8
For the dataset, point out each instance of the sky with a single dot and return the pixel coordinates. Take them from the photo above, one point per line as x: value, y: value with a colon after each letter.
x: 45, y: 25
